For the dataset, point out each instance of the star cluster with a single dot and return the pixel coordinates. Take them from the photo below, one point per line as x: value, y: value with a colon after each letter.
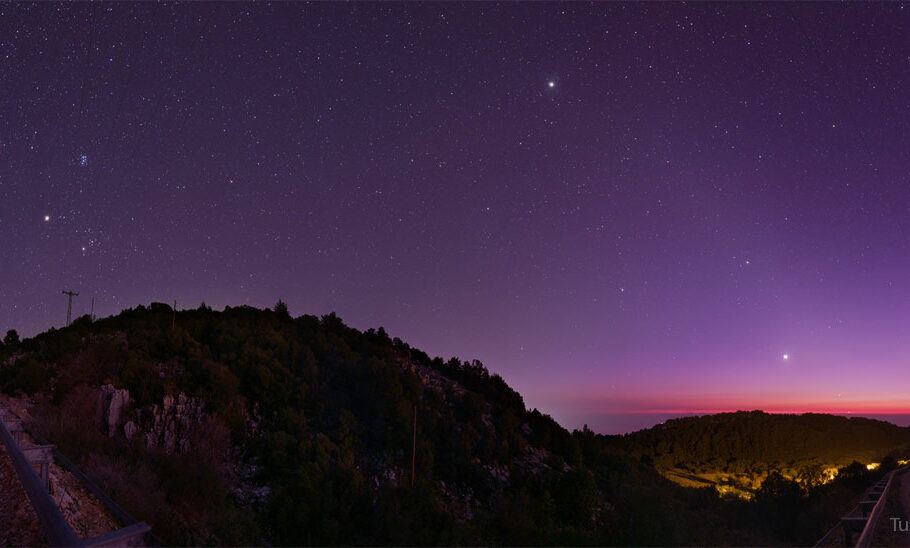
x: 618, y: 207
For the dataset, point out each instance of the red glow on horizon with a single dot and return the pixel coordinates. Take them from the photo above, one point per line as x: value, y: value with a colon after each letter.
x: 771, y: 410
x: 788, y: 408
x: 661, y: 402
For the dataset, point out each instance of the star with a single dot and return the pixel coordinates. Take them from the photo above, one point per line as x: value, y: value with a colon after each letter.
x: 786, y: 357
x: 83, y: 160
x: 47, y: 218
x: 551, y: 84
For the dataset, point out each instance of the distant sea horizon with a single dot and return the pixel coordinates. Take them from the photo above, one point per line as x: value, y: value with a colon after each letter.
x: 624, y: 423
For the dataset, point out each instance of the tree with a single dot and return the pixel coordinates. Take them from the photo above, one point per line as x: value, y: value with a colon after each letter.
x: 281, y: 308
x: 776, y: 488
x: 575, y: 494
x: 888, y: 463
x: 11, y: 338
x: 781, y: 500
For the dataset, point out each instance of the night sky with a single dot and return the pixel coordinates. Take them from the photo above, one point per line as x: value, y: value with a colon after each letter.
x: 621, y: 208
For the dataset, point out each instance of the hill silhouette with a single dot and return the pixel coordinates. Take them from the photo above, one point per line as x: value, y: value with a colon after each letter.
x: 738, y: 441
x: 744, y: 447
x: 249, y: 426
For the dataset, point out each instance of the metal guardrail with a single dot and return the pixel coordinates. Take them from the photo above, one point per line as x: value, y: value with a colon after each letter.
x: 865, y: 539
x: 109, y: 504
x: 858, y: 520
x: 53, y: 523
x: 56, y: 528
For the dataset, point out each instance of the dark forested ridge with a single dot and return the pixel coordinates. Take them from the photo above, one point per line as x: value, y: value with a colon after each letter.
x: 743, y: 443
x: 249, y: 426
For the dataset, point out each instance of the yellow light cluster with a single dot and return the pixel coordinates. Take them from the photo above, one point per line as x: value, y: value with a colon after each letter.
x: 872, y: 466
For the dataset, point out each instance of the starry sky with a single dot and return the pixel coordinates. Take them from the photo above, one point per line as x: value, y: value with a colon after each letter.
x: 627, y: 210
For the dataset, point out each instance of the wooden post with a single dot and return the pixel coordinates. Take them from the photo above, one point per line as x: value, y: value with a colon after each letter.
x: 414, y: 449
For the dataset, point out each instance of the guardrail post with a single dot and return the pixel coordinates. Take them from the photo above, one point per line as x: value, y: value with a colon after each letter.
x: 15, y: 427
x: 42, y: 455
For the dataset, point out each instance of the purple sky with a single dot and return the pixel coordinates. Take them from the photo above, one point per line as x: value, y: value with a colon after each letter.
x: 621, y: 208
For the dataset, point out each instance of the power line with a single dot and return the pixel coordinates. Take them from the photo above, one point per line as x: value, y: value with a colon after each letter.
x: 69, y: 305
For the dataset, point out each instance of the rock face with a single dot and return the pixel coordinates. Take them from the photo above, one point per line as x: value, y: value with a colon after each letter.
x: 111, y: 403
x: 242, y: 483
x: 173, y: 423
x: 169, y: 426
x: 129, y: 430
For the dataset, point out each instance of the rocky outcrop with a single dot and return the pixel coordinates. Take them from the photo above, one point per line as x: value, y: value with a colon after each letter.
x: 433, y: 378
x: 243, y: 483
x: 535, y: 460
x: 81, y: 510
x: 169, y: 426
x: 111, y: 404
x: 242, y: 471
x: 129, y: 430
x: 172, y: 425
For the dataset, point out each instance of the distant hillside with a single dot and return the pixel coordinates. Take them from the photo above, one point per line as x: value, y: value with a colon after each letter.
x: 756, y: 443
x: 252, y: 427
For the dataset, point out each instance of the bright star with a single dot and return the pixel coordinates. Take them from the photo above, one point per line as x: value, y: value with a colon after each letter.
x: 551, y: 84
x: 786, y: 356
x: 47, y: 218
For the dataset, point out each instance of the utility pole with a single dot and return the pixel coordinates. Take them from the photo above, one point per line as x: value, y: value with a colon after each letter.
x: 91, y: 313
x: 174, y: 318
x: 414, y: 449
x: 69, y: 305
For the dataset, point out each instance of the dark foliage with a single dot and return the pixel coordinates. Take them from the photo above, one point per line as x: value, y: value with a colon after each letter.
x: 11, y: 339
x: 325, y: 414
x: 745, y: 441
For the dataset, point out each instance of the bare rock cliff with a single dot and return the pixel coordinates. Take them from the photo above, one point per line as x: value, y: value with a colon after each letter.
x: 111, y: 403
x: 169, y: 426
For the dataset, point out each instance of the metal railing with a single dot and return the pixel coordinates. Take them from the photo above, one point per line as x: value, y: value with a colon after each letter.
x: 865, y: 538
x: 862, y: 519
x: 58, y: 531
x: 109, y: 504
x: 51, y: 520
